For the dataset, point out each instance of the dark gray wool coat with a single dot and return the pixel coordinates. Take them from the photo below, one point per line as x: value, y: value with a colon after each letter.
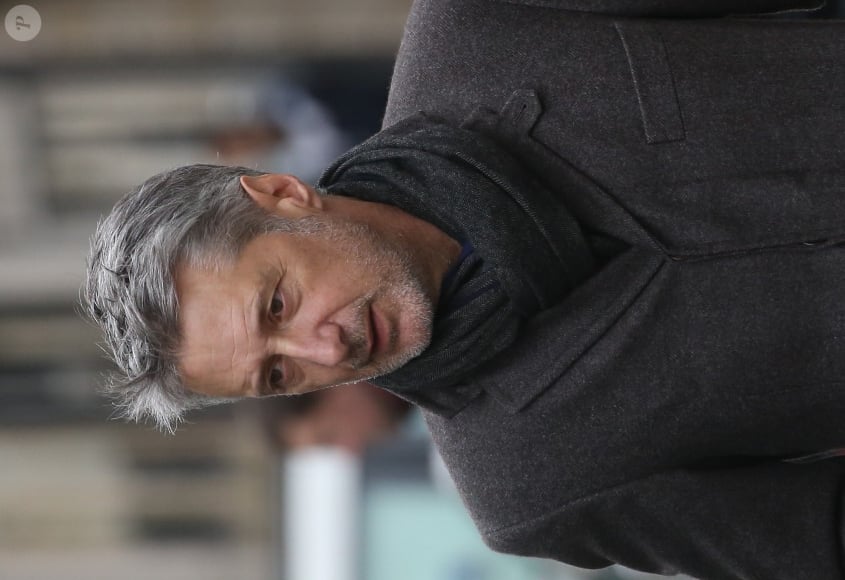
x: 654, y: 416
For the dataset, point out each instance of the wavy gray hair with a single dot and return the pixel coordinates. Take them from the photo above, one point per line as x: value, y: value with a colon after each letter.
x: 197, y: 214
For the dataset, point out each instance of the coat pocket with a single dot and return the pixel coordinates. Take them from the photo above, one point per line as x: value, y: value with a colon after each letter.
x: 653, y: 82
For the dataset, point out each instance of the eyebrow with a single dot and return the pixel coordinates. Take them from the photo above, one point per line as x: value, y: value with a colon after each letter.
x: 260, y: 387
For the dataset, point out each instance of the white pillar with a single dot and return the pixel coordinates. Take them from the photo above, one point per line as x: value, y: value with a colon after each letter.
x: 321, y: 515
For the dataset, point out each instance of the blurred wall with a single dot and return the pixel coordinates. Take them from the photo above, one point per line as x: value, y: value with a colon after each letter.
x: 109, y: 93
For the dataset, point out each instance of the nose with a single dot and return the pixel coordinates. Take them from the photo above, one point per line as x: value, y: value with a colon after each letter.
x: 324, y: 345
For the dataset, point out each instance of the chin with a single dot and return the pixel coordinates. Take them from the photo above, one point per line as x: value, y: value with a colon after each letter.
x: 411, y: 330
x: 416, y: 341
x: 411, y: 342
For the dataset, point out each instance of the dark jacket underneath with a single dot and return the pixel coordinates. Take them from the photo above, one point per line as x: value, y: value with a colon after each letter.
x: 646, y: 419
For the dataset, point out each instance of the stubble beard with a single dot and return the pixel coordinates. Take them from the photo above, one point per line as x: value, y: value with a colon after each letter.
x: 400, y: 284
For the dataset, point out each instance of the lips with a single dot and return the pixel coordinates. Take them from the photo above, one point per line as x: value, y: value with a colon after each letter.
x: 372, y: 338
x: 378, y: 333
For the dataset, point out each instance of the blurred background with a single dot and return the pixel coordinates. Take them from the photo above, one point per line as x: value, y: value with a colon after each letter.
x: 342, y: 485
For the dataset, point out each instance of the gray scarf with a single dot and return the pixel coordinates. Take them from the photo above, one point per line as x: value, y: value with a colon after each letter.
x: 529, y: 251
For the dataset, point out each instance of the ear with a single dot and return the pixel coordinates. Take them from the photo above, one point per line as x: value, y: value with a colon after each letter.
x: 282, y: 193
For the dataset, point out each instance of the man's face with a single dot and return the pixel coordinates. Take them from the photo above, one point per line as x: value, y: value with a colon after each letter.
x: 299, y: 312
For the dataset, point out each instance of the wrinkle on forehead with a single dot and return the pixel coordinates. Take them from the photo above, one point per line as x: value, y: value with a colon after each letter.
x: 207, y: 346
x: 216, y: 339
x: 233, y: 321
x: 253, y: 355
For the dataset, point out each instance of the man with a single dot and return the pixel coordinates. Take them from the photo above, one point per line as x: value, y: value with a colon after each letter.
x: 605, y: 261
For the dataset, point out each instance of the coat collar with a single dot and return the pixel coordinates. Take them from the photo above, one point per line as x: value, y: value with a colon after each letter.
x: 552, y: 341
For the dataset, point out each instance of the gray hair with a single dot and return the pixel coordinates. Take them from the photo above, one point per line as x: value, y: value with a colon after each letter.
x: 197, y: 214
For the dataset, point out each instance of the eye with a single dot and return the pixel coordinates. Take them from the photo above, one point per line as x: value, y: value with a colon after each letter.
x: 277, y: 304
x: 276, y: 376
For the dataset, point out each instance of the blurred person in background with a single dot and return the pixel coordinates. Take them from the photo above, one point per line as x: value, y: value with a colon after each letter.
x: 606, y: 261
x: 350, y: 417
x: 288, y: 130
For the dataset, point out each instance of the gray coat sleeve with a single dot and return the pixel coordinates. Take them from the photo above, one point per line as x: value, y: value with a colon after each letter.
x: 772, y: 521
x: 677, y: 8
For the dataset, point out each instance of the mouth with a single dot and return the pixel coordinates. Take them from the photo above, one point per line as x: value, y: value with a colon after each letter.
x: 374, y: 338
x: 378, y: 333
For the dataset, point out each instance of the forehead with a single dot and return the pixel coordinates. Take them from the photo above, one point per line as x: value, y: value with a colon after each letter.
x: 218, y: 277
x: 217, y: 319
